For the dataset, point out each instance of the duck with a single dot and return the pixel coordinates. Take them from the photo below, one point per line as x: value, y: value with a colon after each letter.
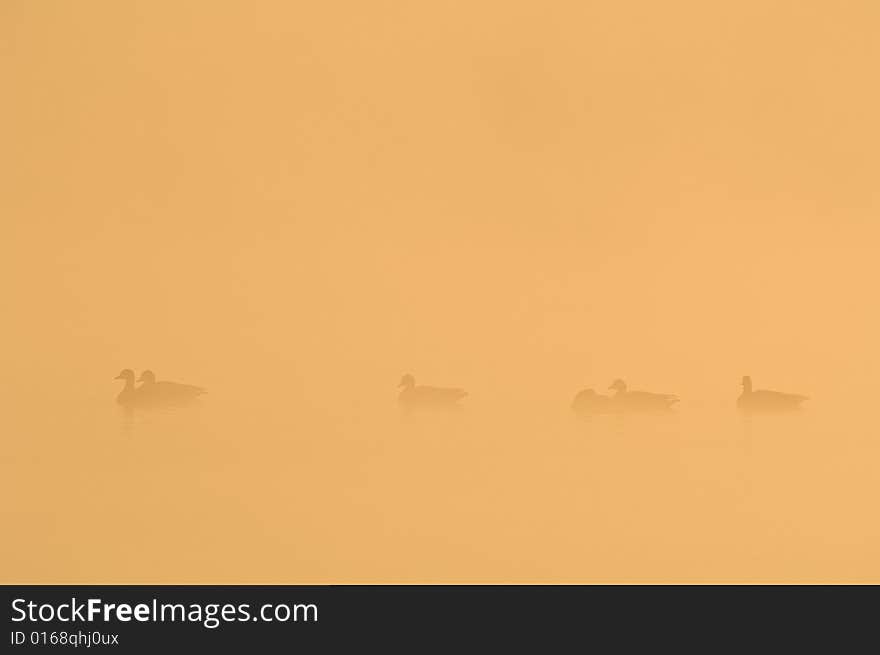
x: 588, y: 401
x: 762, y: 400
x: 640, y: 401
x: 128, y: 396
x: 153, y: 392
x: 412, y: 395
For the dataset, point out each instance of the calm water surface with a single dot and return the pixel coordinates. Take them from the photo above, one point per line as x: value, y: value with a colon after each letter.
x: 211, y: 494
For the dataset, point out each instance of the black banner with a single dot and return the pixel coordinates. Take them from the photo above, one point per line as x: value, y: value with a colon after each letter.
x: 180, y: 618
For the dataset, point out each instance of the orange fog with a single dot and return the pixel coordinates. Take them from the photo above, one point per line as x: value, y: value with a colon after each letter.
x: 293, y: 204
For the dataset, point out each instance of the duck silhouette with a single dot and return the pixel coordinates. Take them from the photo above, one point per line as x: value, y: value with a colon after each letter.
x: 588, y: 402
x: 625, y: 400
x: 128, y: 395
x: 413, y: 396
x: 761, y: 400
x: 152, y: 392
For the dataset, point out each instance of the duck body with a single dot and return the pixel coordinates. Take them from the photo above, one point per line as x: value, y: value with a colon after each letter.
x: 128, y: 396
x: 762, y: 400
x: 588, y: 402
x: 413, y: 396
x: 626, y: 401
x: 153, y: 393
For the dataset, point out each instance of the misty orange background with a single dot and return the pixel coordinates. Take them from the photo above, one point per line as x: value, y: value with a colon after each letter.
x: 293, y: 204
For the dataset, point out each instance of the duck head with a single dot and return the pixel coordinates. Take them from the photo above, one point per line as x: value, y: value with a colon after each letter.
x: 125, y: 374
x: 407, y: 381
x: 618, y: 385
x: 147, y: 377
x: 747, y: 383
